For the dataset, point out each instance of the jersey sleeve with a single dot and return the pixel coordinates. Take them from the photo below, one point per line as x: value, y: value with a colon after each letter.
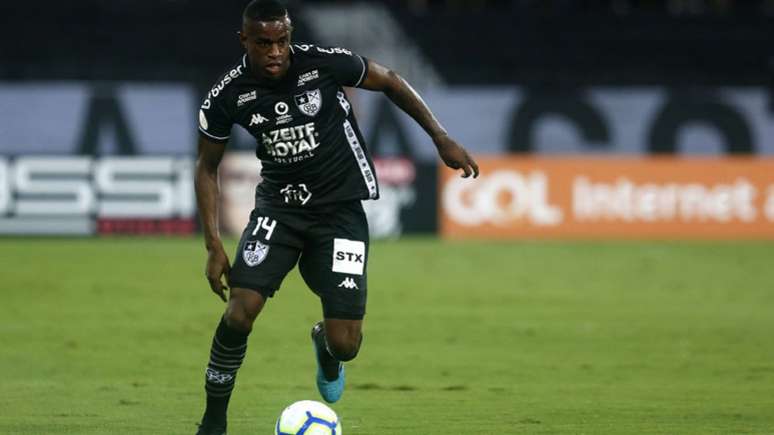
x: 214, y: 120
x: 348, y: 68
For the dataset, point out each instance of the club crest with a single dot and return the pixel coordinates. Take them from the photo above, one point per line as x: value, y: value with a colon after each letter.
x: 310, y: 102
x: 255, y: 252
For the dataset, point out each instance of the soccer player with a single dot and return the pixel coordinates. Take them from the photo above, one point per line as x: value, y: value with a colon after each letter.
x: 308, y: 211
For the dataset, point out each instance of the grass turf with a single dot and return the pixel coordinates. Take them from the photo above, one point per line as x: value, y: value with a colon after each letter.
x: 110, y: 336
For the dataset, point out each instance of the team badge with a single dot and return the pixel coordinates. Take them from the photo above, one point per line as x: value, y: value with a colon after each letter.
x: 255, y: 252
x: 309, y: 102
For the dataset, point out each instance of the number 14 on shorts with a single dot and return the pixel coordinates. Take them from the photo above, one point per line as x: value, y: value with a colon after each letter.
x: 267, y: 224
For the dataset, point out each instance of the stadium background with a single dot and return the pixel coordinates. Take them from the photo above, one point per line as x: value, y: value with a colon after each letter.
x: 593, y: 120
x: 621, y: 78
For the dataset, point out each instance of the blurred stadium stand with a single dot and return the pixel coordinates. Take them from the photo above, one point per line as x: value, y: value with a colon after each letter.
x: 577, y: 42
x: 120, y: 39
x: 529, y: 42
x: 93, y: 93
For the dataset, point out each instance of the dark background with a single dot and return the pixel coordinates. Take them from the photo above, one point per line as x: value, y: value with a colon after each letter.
x: 526, y: 42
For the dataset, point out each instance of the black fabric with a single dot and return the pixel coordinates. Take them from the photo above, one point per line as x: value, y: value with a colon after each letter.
x: 226, y: 355
x: 307, y: 138
x: 329, y: 243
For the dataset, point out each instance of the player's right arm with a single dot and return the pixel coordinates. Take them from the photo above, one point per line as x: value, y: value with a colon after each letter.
x: 209, y: 156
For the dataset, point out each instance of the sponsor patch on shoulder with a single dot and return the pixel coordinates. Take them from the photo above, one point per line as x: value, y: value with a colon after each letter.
x: 203, y: 120
x: 348, y: 256
x: 254, y: 252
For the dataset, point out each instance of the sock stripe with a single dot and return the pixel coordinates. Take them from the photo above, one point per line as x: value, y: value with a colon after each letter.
x: 225, y: 355
x: 225, y: 362
x: 218, y: 393
x: 220, y: 376
x: 229, y: 369
x: 219, y: 388
x: 226, y: 348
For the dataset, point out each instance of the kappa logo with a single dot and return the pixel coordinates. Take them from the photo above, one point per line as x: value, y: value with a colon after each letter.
x: 349, y: 283
x: 310, y: 102
x: 257, y: 119
x: 246, y: 98
x: 254, y: 253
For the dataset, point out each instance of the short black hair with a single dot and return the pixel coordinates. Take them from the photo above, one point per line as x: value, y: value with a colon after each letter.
x: 265, y: 10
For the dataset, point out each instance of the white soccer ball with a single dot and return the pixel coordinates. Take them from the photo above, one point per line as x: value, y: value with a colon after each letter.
x: 308, y: 417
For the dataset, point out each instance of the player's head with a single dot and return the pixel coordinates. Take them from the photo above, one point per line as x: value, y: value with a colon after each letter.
x: 265, y: 35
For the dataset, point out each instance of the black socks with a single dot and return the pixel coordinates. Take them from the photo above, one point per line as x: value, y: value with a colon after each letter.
x: 226, y: 355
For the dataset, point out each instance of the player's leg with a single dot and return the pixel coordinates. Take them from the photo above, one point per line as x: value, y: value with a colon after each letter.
x: 228, y: 349
x: 334, y: 265
x: 343, y: 337
x: 267, y: 251
x: 335, y: 342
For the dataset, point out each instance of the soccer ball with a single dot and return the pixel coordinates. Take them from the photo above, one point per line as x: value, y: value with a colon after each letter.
x: 308, y: 417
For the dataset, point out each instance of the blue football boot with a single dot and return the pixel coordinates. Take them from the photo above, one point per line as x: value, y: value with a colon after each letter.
x: 330, y: 371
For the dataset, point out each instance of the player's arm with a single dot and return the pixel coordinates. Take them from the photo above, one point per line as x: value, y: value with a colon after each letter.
x: 380, y: 78
x: 207, y: 196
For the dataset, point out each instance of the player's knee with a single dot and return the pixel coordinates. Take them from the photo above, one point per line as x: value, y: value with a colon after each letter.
x: 239, y: 319
x: 238, y: 322
x: 243, y: 308
x: 344, y: 349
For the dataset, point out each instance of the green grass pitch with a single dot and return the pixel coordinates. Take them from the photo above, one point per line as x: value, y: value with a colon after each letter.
x: 110, y: 336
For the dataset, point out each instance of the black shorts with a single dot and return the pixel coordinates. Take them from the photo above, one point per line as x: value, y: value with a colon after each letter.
x: 330, y: 245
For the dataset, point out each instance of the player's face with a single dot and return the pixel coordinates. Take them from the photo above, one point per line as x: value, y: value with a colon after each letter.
x: 268, y: 46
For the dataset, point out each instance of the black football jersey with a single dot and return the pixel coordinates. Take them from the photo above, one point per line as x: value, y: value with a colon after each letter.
x: 311, y: 149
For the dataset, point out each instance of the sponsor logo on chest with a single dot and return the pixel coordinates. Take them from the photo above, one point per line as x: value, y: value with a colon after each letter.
x: 246, y: 98
x: 290, y: 142
x: 281, y: 109
x: 308, y: 77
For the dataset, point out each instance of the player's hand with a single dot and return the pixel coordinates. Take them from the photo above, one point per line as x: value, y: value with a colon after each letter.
x: 217, y: 266
x: 455, y: 156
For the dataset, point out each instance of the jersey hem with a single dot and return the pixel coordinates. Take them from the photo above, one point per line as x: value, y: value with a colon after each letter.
x: 363, y: 74
x: 224, y: 139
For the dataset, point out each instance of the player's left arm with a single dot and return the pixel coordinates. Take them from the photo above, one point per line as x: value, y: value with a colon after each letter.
x: 400, y: 92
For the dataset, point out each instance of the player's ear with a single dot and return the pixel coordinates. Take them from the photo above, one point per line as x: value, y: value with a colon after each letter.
x: 242, y: 39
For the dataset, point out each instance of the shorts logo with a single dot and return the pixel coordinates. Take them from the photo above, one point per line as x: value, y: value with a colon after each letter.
x: 348, y: 283
x: 348, y: 256
x: 254, y: 253
x: 310, y: 102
